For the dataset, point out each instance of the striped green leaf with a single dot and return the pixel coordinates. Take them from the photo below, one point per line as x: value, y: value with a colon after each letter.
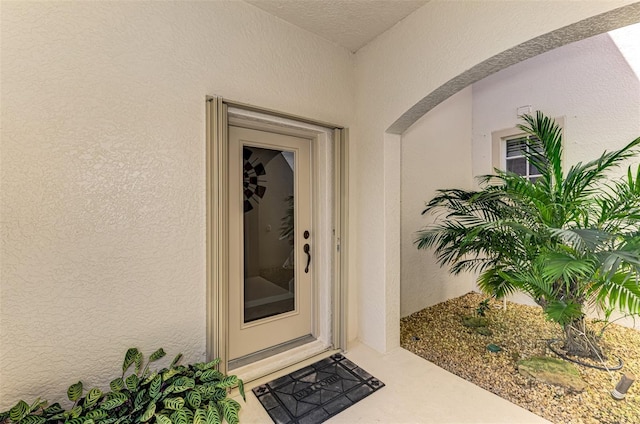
x: 129, y: 359
x: 97, y: 414
x: 207, y: 365
x: 75, y: 412
x: 163, y: 419
x: 37, y: 404
x: 74, y: 391
x: 194, y: 399
x: 113, y: 400
x: 169, y: 373
x: 189, y: 413
x: 218, y: 394
x: 19, y: 411
x: 117, y: 384
x: 108, y: 421
x: 151, y: 410
x: 140, y: 400
x: 33, y: 419
x: 132, y: 382
x: 230, y: 409
x: 200, y: 416
x: 179, y: 417
x: 137, y: 360
x: 52, y: 410
x: 154, y: 387
x: 228, y: 382
x: 183, y: 383
x: 89, y: 421
x: 149, y: 378
x: 174, y: 403
x: 160, y: 353
x: 75, y: 420
x: 92, y: 397
x: 211, y: 375
x: 213, y: 416
x: 241, y: 389
x: 176, y: 360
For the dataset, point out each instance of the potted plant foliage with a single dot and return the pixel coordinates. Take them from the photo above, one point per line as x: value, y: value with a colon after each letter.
x: 180, y: 394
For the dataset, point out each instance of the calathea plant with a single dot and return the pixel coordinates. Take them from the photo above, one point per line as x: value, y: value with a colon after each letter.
x: 181, y: 394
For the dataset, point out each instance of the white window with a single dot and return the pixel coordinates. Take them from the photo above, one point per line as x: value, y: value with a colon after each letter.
x: 509, y: 148
x: 515, y: 159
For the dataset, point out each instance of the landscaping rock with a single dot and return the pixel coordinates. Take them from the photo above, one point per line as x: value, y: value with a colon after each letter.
x: 474, y: 322
x: 484, y: 331
x: 552, y: 371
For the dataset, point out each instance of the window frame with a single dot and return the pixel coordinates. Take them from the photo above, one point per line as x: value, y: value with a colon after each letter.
x: 499, y: 145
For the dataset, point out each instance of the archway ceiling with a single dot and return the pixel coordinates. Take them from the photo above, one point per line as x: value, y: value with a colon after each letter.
x: 354, y: 23
x: 348, y: 23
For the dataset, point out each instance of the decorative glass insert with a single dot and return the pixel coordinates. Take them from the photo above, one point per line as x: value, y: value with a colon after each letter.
x: 269, y: 245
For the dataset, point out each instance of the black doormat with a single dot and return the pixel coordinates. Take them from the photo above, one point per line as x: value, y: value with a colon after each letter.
x: 316, y: 393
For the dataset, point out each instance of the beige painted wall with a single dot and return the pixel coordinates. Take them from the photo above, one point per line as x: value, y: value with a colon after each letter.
x: 436, y: 153
x: 103, y: 171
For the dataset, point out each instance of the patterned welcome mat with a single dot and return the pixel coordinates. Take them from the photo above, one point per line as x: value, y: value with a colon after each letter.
x: 316, y: 393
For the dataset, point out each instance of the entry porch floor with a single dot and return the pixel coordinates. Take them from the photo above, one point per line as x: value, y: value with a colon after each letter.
x: 416, y: 391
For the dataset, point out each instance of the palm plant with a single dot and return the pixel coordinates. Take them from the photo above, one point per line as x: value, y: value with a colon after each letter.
x: 568, y: 240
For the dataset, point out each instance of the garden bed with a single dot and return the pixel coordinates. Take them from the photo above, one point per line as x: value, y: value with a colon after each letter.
x: 438, y: 335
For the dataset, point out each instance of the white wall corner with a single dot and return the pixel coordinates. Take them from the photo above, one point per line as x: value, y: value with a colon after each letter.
x: 392, y: 178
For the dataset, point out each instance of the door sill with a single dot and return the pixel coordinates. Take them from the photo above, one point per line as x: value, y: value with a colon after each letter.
x: 268, y: 353
x: 272, y: 364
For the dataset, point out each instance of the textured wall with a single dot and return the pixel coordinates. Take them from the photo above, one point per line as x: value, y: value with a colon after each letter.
x: 589, y: 83
x: 103, y: 171
x: 433, y: 45
x: 436, y: 153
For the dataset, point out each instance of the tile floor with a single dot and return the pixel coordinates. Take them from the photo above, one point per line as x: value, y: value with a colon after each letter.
x: 416, y: 391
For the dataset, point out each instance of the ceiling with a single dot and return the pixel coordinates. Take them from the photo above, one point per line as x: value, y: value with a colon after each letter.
x: 348, y: 23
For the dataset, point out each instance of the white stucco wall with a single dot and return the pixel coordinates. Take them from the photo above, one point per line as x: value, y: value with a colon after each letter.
x: 589, y: 83
x: 103, y: 171
x: 428, y: 48
x: 436, y: 154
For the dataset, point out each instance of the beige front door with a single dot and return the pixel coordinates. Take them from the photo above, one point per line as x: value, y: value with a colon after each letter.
x: 270, y: 239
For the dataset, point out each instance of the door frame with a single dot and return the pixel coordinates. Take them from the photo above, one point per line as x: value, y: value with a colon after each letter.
x: 328, y: 141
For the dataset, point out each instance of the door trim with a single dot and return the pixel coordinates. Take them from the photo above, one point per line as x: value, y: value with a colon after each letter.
x: 219, y: 117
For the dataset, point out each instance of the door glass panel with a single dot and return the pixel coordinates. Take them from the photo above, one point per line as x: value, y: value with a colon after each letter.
x: 269, y: 260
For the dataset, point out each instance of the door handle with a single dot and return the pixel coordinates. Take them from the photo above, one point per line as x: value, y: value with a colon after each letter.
x: 308, y: 252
